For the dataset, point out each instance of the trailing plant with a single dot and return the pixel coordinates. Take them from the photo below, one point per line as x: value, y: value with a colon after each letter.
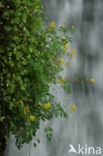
x: 31, y: 58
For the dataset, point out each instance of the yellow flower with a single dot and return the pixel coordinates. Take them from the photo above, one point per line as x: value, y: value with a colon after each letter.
x: 61, y: 60
x: 47, y: 106
x: 66, y: 47
x: 26, y: 109
x: 91, y: 80
x: 21, y: 102
x: 56, y: 66
x: 73, y: 107
x: 52, y: 25
x: 31, y: 118
x: 73, y: 52
x: 61, y: 81
x: 72, y: 27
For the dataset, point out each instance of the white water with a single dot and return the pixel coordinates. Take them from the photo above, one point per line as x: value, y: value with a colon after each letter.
x: 85, y: 125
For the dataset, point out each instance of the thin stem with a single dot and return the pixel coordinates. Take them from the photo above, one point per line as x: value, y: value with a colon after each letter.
x: 60, y: 93
x: 29, y: 148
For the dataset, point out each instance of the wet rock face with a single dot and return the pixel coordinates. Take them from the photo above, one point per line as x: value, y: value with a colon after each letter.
x: 86, y: 125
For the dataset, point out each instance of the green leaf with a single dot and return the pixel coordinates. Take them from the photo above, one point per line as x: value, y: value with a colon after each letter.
x: 38, y: 140
x: 8, y: 28
x: 35, y: 144
x: 24, y: 18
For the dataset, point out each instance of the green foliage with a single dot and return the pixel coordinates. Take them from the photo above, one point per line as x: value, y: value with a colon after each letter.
x: 29, y: 64
x: 48, y: 132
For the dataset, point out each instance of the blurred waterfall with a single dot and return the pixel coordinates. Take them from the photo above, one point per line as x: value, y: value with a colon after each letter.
x: 85, y: 125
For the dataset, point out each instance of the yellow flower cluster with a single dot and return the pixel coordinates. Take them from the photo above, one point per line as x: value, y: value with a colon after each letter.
x: 31, y: 118
x: 73, y: 108
x: 61, y: 60
x: 61, y: 81
x: 26, y: 109
x: 52, y: 25
x: 91, y: 80
x: 66, y: 47
x: 47, y: 106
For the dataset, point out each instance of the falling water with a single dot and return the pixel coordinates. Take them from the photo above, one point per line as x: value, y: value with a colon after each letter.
x: 85, y: 125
